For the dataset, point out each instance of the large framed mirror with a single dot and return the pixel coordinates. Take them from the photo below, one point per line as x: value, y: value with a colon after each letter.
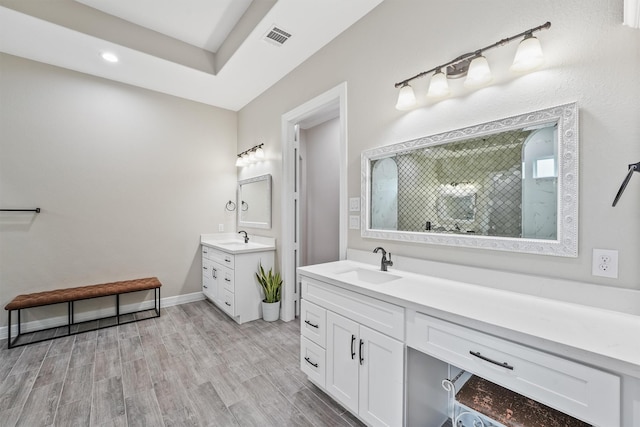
x: 510, y: 184
x: 254, y: 202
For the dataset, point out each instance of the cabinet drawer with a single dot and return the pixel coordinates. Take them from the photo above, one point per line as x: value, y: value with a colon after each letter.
x: 578, y: 390
x: 221, y: 257
x: 227, y: 302
x: 226, y: 278
x: 312, y: 361
x: 377, y: 314
x: 313, y: 323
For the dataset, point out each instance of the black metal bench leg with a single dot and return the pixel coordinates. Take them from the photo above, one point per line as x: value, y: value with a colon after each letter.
x: 118, y: 309
x: 9, y: 331
x: 69, y: 320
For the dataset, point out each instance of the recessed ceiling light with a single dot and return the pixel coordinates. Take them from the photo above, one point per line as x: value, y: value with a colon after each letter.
x: 109, y: 57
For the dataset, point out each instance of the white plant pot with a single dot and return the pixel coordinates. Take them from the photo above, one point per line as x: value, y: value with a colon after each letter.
x: 270, y: 311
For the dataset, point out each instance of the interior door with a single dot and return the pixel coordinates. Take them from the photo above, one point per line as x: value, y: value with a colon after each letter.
x: 381, y: 379
x: 342, y: 360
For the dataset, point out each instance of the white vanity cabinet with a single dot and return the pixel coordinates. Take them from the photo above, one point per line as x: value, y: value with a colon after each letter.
x: 351, y: 348
x: 229, y: 281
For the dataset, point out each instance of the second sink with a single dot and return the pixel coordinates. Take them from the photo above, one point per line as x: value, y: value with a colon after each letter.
x: 369, y: 276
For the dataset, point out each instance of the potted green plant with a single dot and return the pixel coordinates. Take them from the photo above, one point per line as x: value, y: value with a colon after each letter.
x: 272, y: 287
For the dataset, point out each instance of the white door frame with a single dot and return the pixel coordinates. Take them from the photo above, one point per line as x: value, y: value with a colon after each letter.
x: 315, y: 107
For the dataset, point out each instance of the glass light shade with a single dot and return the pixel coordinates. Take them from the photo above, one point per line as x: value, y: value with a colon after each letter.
x: 252, y: 157
x: 528, y: 56
x: 406, y: 98
x: 479, y: 73
x: 245, y: 158
x: 239, y: 161
x: 260, y: 153
x: 438, y: 87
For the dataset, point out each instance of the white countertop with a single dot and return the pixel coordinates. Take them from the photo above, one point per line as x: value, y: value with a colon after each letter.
x: 602, y: 337
x: 234, y: 244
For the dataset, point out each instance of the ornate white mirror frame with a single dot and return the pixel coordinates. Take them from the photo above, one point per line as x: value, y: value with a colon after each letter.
x: 565, y: 243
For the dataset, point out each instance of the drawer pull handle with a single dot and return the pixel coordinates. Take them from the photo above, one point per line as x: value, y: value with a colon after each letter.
x: 227, y: 304
x: 205, y: 268
x: 315, y: 365
x: 311, y: 324
x: 485, y: 358
x: 205, y: 286
x: 361, y: 358
x: 227, y: 259
x: 353, y: 348
x: 226, y: 279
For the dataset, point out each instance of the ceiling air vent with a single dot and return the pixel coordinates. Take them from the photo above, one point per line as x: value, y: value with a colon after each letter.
x: 276, y: 36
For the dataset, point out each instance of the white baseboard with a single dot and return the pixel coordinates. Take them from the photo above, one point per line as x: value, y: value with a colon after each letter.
x: 96, y: 314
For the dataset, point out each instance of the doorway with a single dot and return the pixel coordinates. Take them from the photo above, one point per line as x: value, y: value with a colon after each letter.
x: 329, y: 106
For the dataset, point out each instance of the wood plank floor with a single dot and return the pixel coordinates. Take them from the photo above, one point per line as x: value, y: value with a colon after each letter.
x: 191, y: 367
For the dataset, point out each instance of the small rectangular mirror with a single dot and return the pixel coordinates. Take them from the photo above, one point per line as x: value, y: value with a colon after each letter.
x: 254, y: 202
x: 510, y: 184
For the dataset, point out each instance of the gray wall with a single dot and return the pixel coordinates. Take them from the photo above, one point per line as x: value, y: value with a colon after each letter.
x: 591, y: 58
x: 322, y: 191
x: 127, y: 180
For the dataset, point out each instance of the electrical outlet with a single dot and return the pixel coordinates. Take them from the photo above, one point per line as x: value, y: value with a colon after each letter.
x: 220, y: 227
x: 605, y: 263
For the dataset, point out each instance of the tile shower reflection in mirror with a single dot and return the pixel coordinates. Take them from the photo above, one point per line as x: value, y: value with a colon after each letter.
x: 504, y: 184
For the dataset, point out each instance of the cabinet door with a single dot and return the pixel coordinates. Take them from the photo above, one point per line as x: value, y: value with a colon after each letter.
x: 209, y: 284
x: 381, y: 379
x: 217, y: 272
x: 342, y: 360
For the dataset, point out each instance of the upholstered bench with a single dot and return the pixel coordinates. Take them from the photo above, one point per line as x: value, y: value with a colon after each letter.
x: 70, y: 295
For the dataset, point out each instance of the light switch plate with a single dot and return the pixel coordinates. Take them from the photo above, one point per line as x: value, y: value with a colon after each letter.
x: 354, y: 222
x: 605, y: 263
x: 354, y: 204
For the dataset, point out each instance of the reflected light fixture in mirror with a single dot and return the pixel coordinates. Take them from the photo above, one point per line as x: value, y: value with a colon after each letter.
x: 475, y: 67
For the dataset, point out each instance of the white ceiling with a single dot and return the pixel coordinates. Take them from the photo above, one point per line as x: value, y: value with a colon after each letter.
x: 210, y: 51
x: 201, y: 23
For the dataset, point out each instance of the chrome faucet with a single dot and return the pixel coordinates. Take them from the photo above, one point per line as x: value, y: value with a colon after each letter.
x: 384, y: 263
x: 246, y: 237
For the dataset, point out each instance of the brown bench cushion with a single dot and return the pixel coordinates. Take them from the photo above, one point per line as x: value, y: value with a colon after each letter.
x: 83, y: 292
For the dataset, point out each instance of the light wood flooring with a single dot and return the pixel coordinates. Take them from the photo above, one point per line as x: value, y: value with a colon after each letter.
x: 191, y: 367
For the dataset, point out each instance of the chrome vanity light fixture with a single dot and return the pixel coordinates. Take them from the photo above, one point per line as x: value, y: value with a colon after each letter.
x: 475, y: 67
x: 252, y: 155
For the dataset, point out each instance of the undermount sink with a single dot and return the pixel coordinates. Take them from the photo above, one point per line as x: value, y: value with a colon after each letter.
x: 369, y: 276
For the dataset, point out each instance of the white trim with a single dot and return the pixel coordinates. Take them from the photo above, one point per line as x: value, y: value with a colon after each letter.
x: 309, y: 109
x: 632, y: 13
x: 96, y: 314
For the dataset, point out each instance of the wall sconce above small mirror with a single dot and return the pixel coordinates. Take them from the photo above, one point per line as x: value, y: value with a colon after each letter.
x: 510, y: 184
x: 254, y: 202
